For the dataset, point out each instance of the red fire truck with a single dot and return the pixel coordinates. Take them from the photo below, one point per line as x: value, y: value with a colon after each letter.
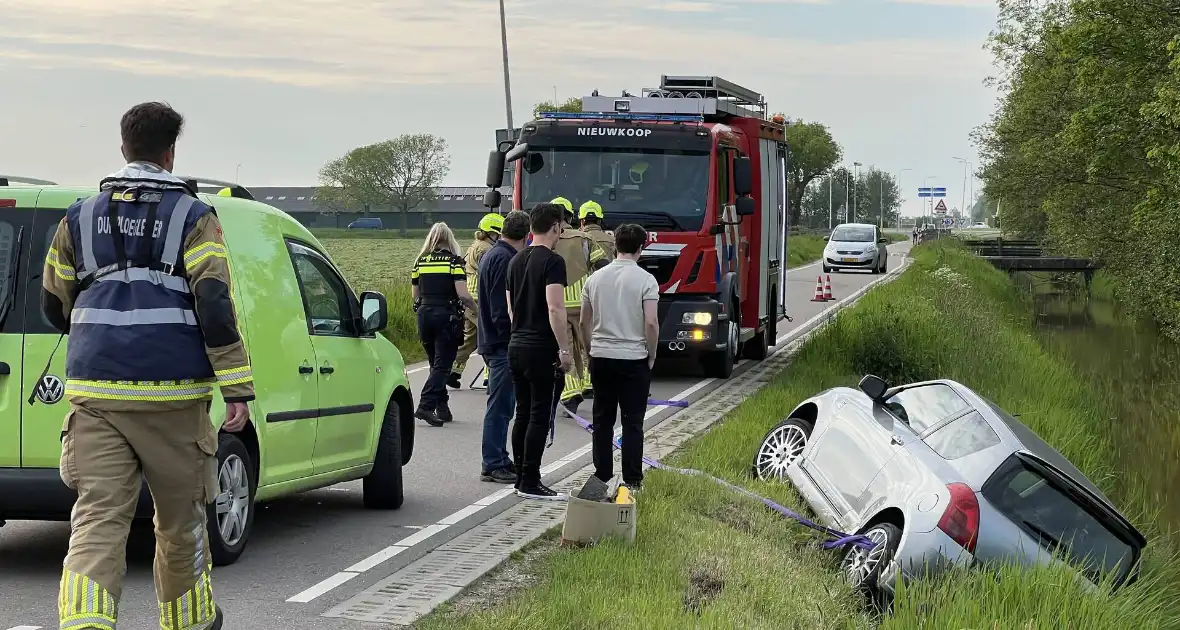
x: 699, y: 165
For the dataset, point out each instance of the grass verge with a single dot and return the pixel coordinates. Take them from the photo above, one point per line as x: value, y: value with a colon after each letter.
x: 705, y: 558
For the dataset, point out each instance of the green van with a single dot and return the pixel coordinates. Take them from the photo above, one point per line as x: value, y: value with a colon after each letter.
x: 333, y: 396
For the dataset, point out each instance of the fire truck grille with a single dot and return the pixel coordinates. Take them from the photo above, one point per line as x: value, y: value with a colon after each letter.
x: 660, y: 267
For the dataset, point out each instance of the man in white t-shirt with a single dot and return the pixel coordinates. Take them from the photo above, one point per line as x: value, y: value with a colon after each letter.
x: 620, y: 325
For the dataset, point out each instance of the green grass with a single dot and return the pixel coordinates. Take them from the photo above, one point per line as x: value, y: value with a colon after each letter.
x: 385, y: 234
x: 951, y: 315
x: 803, y: 249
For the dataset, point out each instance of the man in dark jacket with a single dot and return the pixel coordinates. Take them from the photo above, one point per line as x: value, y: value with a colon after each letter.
x: 495, y: 327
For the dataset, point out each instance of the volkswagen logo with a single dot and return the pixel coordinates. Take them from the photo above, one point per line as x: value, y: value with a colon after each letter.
x: 50, y: 389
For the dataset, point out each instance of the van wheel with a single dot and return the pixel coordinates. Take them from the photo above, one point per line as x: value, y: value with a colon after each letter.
x: 230, y: 517
x: 383, y: 485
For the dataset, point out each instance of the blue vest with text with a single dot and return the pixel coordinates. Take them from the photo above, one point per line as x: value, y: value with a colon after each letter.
x: 134, y: 318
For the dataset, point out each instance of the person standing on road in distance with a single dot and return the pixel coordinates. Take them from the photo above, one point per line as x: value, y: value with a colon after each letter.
x: 591, y: 216
x: 439, y: 286
x: 619, y: 307
x: 138, y: 277
x: 582, y: 256
x: 486, y: 236
x: 495, y: 328
x: 538, y: 350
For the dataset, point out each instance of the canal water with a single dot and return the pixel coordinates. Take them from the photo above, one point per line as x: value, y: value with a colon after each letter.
x: 1136, y: 371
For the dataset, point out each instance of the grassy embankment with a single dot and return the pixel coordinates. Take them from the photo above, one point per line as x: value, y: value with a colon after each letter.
x: 704, y: 558
x: 380, y: 260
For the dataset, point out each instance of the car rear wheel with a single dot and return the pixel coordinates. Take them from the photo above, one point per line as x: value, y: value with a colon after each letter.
x: 862, y: 567
x: 780, y: 448
x: 382, y: 487
x: 230, y: 517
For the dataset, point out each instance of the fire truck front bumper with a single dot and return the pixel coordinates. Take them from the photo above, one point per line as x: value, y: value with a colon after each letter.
x: 690, y: 327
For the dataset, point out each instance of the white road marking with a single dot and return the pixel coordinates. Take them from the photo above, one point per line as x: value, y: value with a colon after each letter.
x: 414, y: 539
x: 416, y: 370
x: 25, y: 628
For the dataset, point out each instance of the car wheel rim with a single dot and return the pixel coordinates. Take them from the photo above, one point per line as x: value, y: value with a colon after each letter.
x: 861, y: 563
x: 233, y: 500
x: 779, y: 450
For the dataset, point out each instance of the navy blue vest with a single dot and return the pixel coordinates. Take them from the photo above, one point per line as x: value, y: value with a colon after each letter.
x: 134, y: 318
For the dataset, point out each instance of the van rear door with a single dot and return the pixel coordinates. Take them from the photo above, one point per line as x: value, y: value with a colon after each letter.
x: 17, y: 207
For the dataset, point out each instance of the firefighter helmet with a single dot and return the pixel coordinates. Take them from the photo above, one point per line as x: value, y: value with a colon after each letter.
x: 491, y: 223
x: 590, y: 208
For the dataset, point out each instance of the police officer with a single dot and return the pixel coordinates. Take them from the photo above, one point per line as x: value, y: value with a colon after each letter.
x: 439, y: 286
x: 582, y: 256
x: 591, y: 216
x: 138, y: 276
x: 490, y: 227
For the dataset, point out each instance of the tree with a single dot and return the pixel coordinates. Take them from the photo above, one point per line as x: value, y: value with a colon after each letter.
x: 572, y: 105
x: 869, y: 188
x: 403, y: 173
x: 813, y: 153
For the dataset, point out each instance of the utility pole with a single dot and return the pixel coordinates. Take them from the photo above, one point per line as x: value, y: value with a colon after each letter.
x: 507, y: 82
x: 831, y: 176
x: 966, y: 165
x: 855, y: 178
x: 881, y: 198
x: 846, y: 193
x: 899, y: 195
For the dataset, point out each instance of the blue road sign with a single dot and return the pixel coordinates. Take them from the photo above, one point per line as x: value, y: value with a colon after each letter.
x: 948, y: 221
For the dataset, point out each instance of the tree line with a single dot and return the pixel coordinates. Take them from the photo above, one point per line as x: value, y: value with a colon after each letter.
x: 404, y: 174
x: 1084, y: 149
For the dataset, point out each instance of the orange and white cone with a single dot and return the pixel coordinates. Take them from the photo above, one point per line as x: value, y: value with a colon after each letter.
x: 819, y: 290
x: 828, y: 289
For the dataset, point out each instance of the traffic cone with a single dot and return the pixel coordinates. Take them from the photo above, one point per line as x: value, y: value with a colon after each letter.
x: 819, y: 290
x: 828, y: 289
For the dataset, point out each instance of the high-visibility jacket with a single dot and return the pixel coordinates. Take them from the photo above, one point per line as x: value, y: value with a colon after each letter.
x: 580, y: 253
x: 605, y: 239
x: 472, y: 257
x: 129, y: 270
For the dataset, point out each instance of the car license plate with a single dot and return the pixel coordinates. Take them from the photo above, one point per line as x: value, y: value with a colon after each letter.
x: 848, y: 259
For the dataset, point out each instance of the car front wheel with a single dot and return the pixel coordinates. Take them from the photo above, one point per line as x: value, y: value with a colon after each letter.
x: 781, y: 447
x: 382, y: 487
x: 231, y: 515
x: 862, y: 567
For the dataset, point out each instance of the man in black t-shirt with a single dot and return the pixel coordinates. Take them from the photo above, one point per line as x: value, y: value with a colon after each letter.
x: 538, y: 350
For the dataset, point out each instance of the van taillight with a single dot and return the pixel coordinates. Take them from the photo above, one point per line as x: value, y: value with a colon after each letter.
x: 7, y: 203
x: 960, y: 520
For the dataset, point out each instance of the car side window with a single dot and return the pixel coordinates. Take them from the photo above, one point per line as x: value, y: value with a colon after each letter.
x: 327, y: 300
x: 962, y: 436
x: 925, y: 406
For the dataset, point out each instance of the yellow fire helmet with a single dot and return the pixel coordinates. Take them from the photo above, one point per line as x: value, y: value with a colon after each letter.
x: 590, y: 208
x: 225, y: 192
x: 569, y: 206
x: 492, y: 223
x: 637, y: 171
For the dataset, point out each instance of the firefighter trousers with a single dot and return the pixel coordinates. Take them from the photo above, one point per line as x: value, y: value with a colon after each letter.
x: 470, y: 330
x: 103, y: 455
x: 577, y: 380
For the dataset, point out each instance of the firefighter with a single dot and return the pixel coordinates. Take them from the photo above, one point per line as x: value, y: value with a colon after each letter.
x: 439, y: 286
x: 488, y: 233
x: 591, y: 216
x: 138, y: 276
x: 582, y: 256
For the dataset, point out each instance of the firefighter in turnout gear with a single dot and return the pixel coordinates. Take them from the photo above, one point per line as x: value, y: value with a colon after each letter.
x: 138, y: 276
x: 582, y: 256
x: 591, y: 216
x: 489, y: 230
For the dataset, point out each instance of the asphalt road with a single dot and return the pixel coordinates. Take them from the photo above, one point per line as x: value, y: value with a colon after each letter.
x: 301, y: 545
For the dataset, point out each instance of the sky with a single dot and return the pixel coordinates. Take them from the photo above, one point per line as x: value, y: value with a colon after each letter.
x: 273, y: 89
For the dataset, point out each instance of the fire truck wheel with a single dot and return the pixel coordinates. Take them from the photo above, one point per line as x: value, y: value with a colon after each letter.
x: 720, y: 364
x: 756, y: 348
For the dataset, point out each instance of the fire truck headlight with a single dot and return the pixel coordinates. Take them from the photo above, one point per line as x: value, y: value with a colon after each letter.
x: 700, y: 319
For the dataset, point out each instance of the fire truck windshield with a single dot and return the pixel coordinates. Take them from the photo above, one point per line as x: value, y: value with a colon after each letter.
x: 660, y: 190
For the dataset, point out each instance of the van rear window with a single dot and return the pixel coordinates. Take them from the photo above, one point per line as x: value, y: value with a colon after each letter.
x: 1050, y: 513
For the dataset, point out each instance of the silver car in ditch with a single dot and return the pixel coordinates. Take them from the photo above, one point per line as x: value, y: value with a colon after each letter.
x: 938, y: 475
x: 856, y: 246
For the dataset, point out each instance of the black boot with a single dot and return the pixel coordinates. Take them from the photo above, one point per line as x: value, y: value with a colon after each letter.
x: 218, y: 619
x: 443, y: 412
x: 455, y: 380
x: 429, y: 416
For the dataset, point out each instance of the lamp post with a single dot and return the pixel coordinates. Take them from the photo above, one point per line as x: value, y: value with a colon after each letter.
x: 855, y: 178
x: 899, y: 195
x: 237, y: 174
x: 507, y: 83
x: 966, y: 166
x: 924, y: 182
x: 831, y: 177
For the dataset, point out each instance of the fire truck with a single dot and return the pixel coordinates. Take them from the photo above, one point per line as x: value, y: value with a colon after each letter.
x: 701, y: 167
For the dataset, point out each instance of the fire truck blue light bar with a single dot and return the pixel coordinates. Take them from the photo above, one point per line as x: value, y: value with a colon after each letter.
x: 622, y: 116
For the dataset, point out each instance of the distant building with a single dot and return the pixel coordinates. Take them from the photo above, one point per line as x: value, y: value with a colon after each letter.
x: 460, y: 208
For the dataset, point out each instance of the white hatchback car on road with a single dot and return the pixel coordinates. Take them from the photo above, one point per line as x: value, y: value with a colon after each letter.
x: 856, y: 246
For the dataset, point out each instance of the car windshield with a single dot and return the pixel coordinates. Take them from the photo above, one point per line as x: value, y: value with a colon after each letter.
x: 660, y: 190
x: 853, y: 234
x: 1051, y: 515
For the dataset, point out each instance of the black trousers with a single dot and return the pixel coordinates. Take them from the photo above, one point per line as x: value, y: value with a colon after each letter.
x: 440, y: 329
x: 620, y: 390
x: 537, y: 384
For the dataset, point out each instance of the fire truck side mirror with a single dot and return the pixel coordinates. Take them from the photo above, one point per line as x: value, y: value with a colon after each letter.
x: 745, y: 206
x: 495, y: 176
x: 492, y: 199
x: 743, y: 179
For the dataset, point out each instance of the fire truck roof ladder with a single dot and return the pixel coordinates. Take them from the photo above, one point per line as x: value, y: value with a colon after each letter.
x: 702, y: 98
x: 712, y: 87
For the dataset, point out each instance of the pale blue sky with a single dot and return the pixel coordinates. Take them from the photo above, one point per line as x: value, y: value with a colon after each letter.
x: 281, y: 86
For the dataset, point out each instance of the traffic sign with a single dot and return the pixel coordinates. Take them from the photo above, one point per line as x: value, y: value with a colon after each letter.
x: 940, y: 208
x: 932, y: 192
x: 948, y: 221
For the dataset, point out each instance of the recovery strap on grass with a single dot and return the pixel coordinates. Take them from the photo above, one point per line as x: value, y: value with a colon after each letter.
x: 835, y: 539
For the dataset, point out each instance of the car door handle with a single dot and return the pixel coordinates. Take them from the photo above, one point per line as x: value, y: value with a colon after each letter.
x: 327, y: 369
x: 895, y: 440
x: 4, y: 369
x: 306, y: 369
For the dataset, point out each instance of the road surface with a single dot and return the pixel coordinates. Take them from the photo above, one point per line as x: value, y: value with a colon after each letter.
x: 296, y: 566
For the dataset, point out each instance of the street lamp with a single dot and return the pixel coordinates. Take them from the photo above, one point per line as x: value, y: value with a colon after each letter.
x: 855, y: 177
x: 966, y: 165
x: 898, y: 201
x: 237, y: 174
x: 507, y: 83
x: 924, y: 182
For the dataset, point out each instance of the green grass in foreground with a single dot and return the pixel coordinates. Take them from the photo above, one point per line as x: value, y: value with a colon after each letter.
x: 701, y: 549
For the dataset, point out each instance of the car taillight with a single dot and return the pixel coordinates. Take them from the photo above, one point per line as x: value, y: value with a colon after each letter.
x: 960, y: 520
x: 7, y: 203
